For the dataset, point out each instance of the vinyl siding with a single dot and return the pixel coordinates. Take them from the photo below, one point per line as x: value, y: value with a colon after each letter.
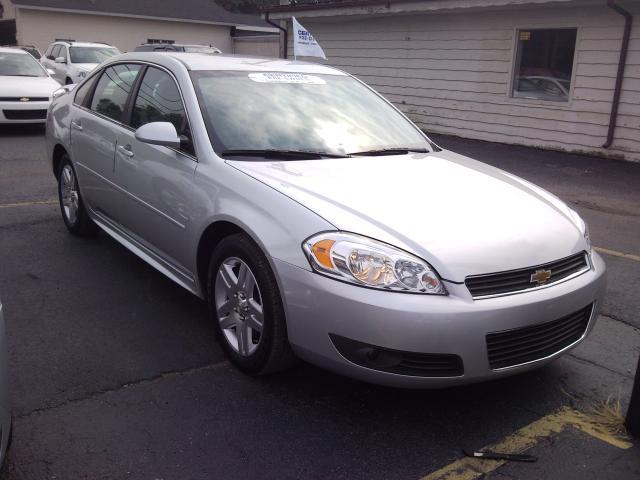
x: 451, y: 73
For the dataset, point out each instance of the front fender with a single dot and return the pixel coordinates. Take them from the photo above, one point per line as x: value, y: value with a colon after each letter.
x: 276, y: 223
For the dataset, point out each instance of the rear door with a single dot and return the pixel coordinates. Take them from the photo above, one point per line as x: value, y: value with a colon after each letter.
x: 97, y: 122
x: 158, y: 206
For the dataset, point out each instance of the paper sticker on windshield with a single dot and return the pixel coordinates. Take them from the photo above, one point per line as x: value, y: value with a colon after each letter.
x: 286, y: 77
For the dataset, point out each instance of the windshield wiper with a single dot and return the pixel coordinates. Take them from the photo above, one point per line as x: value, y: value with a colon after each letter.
x: 282, y: 154
x: 389, y: 151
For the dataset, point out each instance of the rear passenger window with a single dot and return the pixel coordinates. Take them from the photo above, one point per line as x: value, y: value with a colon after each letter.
x: 159, y: 100
x: 110, y: 96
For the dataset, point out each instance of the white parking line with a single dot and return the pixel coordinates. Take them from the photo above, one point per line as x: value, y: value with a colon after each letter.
x: 27, y: 204
x: 615, y: 253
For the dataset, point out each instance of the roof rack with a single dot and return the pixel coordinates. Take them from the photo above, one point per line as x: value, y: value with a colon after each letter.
x: 67, y: 40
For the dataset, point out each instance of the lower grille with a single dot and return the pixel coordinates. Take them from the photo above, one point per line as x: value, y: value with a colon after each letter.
x: 25, y: 114
x: 521, y: 279
x: 521, y: 345
x: 399, y: 362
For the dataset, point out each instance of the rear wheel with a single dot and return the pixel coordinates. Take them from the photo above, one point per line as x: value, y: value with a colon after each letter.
x: 72, y: 208
x: 246, y: 307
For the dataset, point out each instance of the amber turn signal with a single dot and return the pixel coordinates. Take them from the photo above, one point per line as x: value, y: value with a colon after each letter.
x: 322, y: 252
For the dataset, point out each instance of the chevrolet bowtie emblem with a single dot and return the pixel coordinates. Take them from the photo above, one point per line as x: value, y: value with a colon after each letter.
x: 24, y: 99
x: 541, y: 276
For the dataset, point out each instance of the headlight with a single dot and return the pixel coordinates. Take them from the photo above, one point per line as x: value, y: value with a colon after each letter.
x: 82, y: 74
x: 584, y: 228
x: 366, y: 262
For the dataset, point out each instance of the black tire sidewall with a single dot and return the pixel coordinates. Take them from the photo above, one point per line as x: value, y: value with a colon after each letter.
x: 83, y: 226
x: 243, y: 248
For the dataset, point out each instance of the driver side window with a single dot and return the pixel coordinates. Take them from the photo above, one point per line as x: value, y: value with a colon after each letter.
x: 55, y: 52
x: 159, y: 100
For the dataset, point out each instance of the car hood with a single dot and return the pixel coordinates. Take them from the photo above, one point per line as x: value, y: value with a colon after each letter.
x: 462, y: 216
x: 27, y: 86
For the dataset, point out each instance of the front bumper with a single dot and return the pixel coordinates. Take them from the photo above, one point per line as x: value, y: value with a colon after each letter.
x: 318, y: 307
x: 24, y: 112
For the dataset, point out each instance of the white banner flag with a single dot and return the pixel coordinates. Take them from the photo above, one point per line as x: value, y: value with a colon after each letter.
x: 304, y: 45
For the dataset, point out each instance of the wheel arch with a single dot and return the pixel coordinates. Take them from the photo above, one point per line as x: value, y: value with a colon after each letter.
x: 209, y: 240
x: 58, y: 152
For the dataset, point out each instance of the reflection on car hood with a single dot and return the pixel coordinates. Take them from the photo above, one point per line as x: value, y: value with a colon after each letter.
x: 463, y: 216
x: 27, y: 86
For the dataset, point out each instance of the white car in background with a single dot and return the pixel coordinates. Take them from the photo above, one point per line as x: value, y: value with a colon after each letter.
x: 71, y: 60
x: 26, y: 88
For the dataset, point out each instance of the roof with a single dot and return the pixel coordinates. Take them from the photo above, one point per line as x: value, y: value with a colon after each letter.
x: 197, y: 61
x: 198, y: 11
x: 13, y: 50
x: 309, y: 8
x: 85, y: 44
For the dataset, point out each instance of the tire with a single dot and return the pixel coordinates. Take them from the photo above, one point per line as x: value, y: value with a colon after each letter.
x: 264, y: 350
x: 74, y: 213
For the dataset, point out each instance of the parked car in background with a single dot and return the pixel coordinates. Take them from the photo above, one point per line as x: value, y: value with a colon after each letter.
x: 317, y: 220
x: 71, y: 60
x: 29, y: 49
x: 176, y: 47
x: 543, y: 88
x: 5, y: 402
x: 26, y: 88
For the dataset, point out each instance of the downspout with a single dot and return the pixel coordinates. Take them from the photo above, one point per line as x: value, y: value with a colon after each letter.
x: 282, y: 29
x: 622, y: 62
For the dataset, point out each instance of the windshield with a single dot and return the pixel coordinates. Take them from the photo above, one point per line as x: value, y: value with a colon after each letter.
x: 197, y: 49
x: 290, y: 111
x: 20, y: 65
x: 91, y: 54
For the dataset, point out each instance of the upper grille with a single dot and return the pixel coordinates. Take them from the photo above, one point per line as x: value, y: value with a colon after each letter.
x: 522, y: 345
x: 25, y: 114
x: 518, y: 280
x: 17, y: 99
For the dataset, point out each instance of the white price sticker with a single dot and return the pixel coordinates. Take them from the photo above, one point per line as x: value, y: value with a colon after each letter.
x: 285, y: 77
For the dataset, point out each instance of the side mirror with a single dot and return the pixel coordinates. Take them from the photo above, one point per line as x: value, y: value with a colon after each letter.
x: 60, y: 60
x: 159, y: 133
x: 51, y: 72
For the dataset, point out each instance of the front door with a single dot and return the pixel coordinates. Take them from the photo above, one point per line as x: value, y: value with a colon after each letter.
x: 158, y: 204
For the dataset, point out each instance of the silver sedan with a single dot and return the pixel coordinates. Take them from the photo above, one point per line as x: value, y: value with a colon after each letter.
x: 319, y: 222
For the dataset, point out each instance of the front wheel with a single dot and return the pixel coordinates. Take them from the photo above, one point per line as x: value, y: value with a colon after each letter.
x: 246, y: 307
x: 72, y: 207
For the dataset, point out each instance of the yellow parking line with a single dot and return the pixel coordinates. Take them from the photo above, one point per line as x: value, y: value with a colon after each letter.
x: 471, y: 468
x: 27, y: 204
x: 606, y: 251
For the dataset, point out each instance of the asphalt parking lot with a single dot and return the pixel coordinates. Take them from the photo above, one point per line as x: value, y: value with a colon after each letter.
x: 116, y: 374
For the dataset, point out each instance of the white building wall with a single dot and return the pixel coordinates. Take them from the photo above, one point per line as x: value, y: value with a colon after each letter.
x: 40, y: 28
x: 451, y: 73
x: 261, y: 46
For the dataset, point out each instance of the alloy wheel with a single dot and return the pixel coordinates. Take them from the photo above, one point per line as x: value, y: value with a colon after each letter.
x: 69, y: 194
x: 239, y: 306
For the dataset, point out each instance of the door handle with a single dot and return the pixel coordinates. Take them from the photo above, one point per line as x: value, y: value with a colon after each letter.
x: 125, y: 150
x: 75, y: 124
